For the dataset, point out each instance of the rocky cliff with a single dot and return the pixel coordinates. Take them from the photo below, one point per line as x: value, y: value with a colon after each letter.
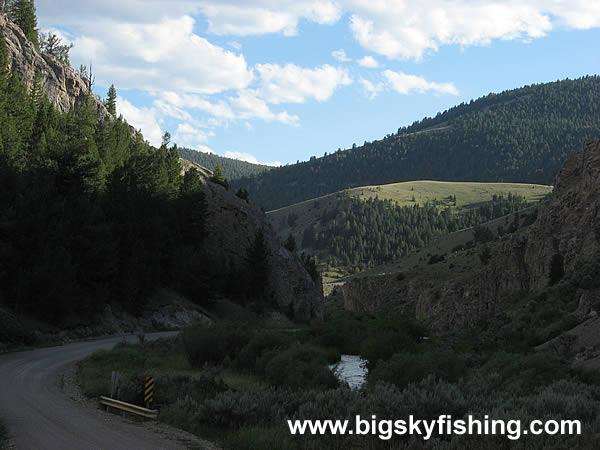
x: 64, y: 87
x: 232, y: 225
x: 565, y: 234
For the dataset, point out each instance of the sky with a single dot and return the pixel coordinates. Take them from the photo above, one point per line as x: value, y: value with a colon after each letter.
x: 277, y: 81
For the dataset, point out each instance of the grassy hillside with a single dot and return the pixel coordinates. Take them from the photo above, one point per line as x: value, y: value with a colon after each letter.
x: 457, y: 197
x: 521, y: 135
x: 468, y: 194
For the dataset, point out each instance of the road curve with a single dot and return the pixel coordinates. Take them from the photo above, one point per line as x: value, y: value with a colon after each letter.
x: 40, y: 415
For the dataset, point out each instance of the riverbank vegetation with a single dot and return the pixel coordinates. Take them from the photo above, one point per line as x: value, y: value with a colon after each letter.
x: 237, y: 384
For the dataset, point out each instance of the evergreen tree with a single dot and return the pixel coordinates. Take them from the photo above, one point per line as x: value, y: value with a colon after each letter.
x: 219, y: 178
x: 22, y: 12
x: 242, y: 193
x: 557, y: 269
x: 191, y: 182
x: 37, y: 92
x: 111, y: 101
x: 258, y: 267
x: 290, y: 243
x: 50, y: 43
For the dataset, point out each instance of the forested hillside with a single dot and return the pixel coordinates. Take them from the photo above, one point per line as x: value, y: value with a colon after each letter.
x: 377, y: 231
x: 232, y: 168
x: 91, y: 213
x: 521, y: 135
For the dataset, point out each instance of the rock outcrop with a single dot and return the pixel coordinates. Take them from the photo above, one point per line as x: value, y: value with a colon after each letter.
x: 565, y: 234
x: 232, y: 225
x: 64, y: 87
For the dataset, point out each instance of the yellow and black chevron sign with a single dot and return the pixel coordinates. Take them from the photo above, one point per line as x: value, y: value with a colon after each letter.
x: 149, y: 390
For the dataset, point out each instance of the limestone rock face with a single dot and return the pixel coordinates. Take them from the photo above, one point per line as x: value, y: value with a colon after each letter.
x: 61, y: 83
x: 232, y: 225
x: 567, y: 230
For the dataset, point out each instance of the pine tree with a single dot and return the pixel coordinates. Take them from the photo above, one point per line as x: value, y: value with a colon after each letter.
x: 191, y: 182
x: 219, y: 178
x: 36, y: 92
x: 50, y: 43
x: 22, y: 12
x: 79, y: 167
x: 290, y: 243
x: 258, y: 266
x: 4, y: 71
x: 111, y: 101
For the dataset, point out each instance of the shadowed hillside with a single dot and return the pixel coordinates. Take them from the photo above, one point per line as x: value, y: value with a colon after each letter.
x: 521, y: 135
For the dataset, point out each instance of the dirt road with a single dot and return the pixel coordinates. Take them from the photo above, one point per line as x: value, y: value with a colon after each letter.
x: 40, y: 415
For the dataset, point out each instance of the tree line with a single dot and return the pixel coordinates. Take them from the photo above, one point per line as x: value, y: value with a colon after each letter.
x: 376, y: 231
x: 233, y: 169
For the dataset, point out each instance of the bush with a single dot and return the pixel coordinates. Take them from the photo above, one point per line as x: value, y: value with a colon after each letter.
x: 12, y: 331
x: 434, y: 259
x: 523, y: 373
x: 255, y: 350
x: 259, y: 438
x: 213, y: 343
x: 405, y: 368
x: 388, y: 336
x: 205, y: 384
x: 234, y: 409
x: 300, y: 366
x: 3, y: 435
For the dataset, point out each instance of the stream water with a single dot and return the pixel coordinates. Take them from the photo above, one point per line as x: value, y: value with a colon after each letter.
x: 351, y: 369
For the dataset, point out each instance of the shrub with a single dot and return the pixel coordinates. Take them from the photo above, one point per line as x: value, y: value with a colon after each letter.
x: 12, y: 331
x: 388, y: 336
x: 213, y: 343
x: 261, y: 343
x: 523, y: 373
x: 405, y: 368
x: 259, y: 438
x: 300, y: 366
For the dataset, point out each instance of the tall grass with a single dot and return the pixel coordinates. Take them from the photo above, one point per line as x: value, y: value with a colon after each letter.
x: 3, y: 436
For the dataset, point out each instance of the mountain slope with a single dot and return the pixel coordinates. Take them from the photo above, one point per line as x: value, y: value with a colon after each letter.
x: 372, y: 224
x: 232, y: 168
x: 93, y: 217
x: 538, y: 278
x: 522, y: 135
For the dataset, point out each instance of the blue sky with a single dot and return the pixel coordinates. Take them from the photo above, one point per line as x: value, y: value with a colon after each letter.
x: 280, y: 81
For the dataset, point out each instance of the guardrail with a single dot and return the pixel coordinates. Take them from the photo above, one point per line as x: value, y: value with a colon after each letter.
x: 128, y: 407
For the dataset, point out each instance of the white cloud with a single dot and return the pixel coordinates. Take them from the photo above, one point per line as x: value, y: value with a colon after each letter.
x: 371, y: 89
x: 188, y: 135
x: 340, y: 55
x: 293, y: 84
x: 165, y: 55
x: 141, y: 119
x: 205, y: 149
x: 400, y: 29
x: 250, y: 158
x: 405, y: 84
x: 220, y: 109
x: 368, y: 61
x: 248, y: 105
x: 252, y: 17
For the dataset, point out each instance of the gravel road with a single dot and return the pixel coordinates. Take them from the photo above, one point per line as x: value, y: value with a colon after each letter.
x: 41, y: 413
